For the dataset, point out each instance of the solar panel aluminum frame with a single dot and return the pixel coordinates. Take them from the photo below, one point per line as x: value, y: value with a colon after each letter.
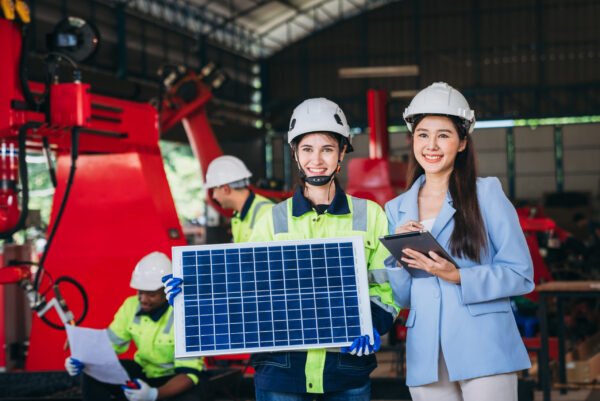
x: 361, y: 282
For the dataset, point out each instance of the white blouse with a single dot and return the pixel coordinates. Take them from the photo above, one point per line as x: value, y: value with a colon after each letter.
x: 428, y: 224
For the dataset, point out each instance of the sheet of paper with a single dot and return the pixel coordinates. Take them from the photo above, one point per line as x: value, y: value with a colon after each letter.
x: 93, y: 348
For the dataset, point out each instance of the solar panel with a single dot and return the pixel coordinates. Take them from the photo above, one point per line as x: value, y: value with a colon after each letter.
x: 275, y: 296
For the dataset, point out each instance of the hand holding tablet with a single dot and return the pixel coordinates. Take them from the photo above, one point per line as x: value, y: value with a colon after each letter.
x: 421, y: 243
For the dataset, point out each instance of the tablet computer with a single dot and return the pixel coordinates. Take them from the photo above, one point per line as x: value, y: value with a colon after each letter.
x: 420, y: 241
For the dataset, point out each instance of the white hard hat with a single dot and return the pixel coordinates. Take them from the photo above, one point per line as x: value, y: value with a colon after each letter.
x: 226, y: 170
x: 440, y: 98
x: 319, y: 115
x: 149, y: 271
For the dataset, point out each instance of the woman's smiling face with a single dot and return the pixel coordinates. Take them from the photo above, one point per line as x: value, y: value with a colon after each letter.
x: 436, y: 143
x: 318, y: 154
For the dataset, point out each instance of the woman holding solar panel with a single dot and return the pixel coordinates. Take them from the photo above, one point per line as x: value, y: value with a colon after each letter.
x: 319, y: 136
x: 464, y: 344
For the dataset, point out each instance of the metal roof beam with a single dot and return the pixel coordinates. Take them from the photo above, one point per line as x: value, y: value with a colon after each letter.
x: 290, y: 5
x: 240, y: 14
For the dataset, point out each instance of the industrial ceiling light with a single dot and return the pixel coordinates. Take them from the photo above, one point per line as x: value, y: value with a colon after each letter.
x: 379, y: 72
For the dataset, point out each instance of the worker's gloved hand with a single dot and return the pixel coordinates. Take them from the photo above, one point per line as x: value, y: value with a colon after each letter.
x: 362, y: 345
x: 139, y: 390
x: 74, y: 366
x: 172, y: 287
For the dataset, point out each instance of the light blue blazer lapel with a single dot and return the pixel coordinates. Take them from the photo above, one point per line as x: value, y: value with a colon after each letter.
x: 409, y: 208
x: 444, y: 217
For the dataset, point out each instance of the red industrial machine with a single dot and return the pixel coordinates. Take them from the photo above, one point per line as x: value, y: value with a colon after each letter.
x: 116, y: 208
x: 377, y: 177
x: 112, y: 203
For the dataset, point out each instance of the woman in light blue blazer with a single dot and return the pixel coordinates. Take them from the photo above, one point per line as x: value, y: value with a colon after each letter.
x: 463, y: 342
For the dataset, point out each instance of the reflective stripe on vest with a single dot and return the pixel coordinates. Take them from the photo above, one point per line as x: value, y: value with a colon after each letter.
x: 388, y: 308
x: 115, y: 339
x: 256, y: 209
x: 359, y: 216
x: 136, y: 318
x: 167, y: 366
x: 169, y: 324
x: 280, y: 219
x: 378, y: 276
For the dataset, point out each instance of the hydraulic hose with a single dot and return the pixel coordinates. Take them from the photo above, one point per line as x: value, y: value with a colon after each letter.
x: 22, y: 137
x: 74, y: 155
x: 63, y: 303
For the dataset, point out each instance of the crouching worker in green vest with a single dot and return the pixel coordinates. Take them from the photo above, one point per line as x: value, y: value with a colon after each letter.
x: 228, y: 177
x: 147, y: 320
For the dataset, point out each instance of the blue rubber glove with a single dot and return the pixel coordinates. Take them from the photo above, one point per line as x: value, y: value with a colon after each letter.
x: 172, y: 287
x: 138, y: 390
x: 362, y: 345
x: 74, y: 366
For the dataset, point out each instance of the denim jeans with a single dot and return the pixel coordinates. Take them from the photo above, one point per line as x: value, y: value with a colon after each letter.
x: 354, y: 394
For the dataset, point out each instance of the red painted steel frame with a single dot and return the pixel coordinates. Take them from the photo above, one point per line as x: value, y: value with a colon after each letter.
x: 379, y: 147
x: 202, y: 139
x: 120, y: 206
x: 376, y: 178
x: 119, y: 209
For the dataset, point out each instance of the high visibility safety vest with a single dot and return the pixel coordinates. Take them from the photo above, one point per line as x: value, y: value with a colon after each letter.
x: 295, y: 219
x: 243, y: 223
x: 154, y: 340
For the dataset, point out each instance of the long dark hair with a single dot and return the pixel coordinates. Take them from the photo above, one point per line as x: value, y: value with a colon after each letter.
x: 469, y: 236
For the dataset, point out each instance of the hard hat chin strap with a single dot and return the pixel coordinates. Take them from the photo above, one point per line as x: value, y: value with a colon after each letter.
x: 317, y: 180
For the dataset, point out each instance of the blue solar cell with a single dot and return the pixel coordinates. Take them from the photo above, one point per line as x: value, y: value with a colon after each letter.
x: 261, y: 266
x: 266, y: 334
x: 321, y: 273
x: 221, y: 319
x: 189, y: 270
x: 317, y: 262
x: 280, y: 328
x: 318, y: 256
x: 250, y: 317
x: 233, y: 261
x: 347, y: 261
x: 333, y: 262
x: 235, y: 306
x: 235, y: 317
x: 237, y: 339
x: 191, y: 289
x: 217, y: 259
x: 310, y: 322
x: 239, y: 298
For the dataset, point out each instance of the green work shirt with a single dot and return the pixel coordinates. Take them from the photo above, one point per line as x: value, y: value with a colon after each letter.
x: 242, y: 223
x: 153, y: 336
